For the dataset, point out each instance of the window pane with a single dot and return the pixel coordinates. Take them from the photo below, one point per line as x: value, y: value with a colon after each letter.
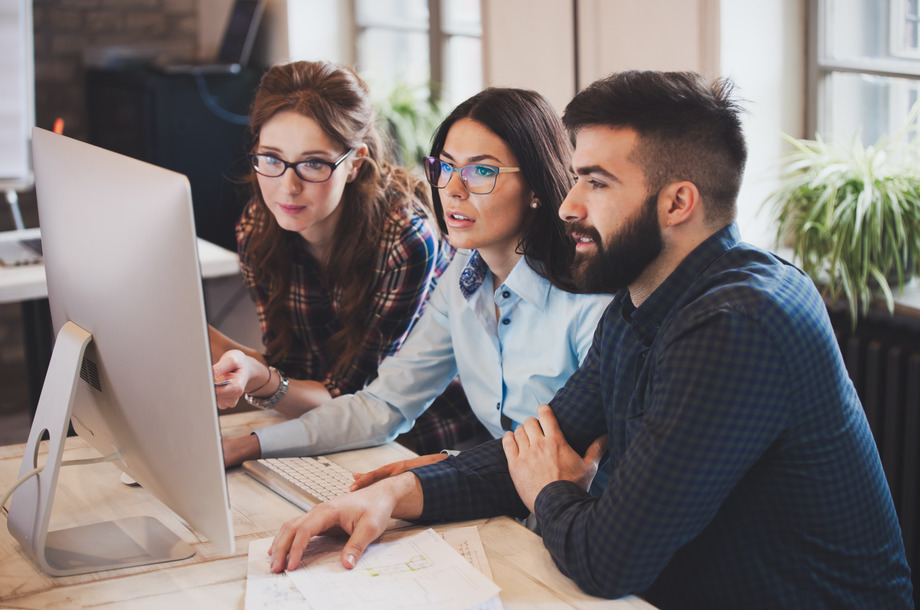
x: 857, y: 28
x: 389, y: 57
x: 461, y: 17
x: 464, y: 68
x: 412, y: 13
x: 870, y: 105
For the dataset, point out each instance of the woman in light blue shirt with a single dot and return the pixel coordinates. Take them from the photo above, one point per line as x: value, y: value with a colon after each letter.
x: 504, y: 315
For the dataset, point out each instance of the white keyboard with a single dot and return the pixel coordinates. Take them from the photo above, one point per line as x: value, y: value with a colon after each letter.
x: 305, y: 481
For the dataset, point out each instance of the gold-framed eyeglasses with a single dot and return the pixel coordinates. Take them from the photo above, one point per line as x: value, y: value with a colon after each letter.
x: 478, y: 178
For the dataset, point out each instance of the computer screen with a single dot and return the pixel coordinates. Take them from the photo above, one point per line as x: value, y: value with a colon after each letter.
x: 131, y: 366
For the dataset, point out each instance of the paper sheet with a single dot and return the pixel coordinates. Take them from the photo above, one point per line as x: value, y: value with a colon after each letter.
x: 415, y: 571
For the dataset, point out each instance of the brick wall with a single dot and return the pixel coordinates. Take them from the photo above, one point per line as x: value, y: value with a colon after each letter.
x: 68, y: 30
x: 65, y: 31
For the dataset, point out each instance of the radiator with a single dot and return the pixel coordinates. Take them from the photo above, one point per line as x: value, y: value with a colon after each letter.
x: 882, y: 357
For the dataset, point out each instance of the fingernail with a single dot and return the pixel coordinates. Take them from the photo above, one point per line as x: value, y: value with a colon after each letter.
x: 350, y: 559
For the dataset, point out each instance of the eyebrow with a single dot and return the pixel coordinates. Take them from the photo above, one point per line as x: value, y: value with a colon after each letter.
x: 476, y: 159
x: 307, y: 153
x: 595, y: 169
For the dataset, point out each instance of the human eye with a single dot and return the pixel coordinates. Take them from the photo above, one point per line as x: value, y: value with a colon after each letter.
x: 484, y: 171
x: 269, y: 161
x: 313, y: 164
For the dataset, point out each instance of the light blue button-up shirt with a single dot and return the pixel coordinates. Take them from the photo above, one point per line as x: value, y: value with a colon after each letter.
x: 512, y: 348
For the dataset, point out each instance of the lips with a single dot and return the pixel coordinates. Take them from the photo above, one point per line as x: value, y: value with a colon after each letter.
x: 582, y: 242
x: 584, y: 236
x: 457, y: 220
x: 291, y: 209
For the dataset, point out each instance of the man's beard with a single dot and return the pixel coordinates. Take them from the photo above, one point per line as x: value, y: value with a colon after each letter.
x: 628, y: 253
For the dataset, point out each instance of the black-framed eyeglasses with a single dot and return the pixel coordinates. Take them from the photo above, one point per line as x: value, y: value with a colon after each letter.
x: 478, y: 178
x: 311, y: 170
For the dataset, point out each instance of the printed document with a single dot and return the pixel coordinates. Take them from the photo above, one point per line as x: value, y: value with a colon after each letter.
x: 416, y: 571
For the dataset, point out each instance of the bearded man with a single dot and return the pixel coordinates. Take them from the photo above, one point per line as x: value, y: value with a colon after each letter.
x: 743, y: 473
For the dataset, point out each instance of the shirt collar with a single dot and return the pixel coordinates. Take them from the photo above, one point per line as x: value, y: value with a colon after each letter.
x: 647, y: 318
x: 528, y: 284
x: 523, y: 281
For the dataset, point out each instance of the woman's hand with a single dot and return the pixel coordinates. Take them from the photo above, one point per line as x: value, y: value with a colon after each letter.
x: 391, y: 470
x: 244, y: 373
x: 238, y: 450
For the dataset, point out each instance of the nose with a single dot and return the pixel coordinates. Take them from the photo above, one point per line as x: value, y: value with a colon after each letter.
x: 455, y: 186
x: 572, y: 210
x: 291, y: 180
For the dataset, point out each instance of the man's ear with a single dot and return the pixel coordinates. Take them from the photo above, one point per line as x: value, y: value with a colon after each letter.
x: 679, y: 202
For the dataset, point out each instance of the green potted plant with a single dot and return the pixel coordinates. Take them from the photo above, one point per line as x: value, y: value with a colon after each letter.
x: 410, y: 117
x: 852, y: 214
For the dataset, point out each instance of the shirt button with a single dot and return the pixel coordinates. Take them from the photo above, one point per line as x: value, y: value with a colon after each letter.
x: 498, y: 406
x: 506, y: 321
x: 506, y: 294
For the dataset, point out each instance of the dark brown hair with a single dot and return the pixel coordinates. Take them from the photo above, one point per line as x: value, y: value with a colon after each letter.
x: 688, y: 128
x: 339, y: 101
x: 527, y: 122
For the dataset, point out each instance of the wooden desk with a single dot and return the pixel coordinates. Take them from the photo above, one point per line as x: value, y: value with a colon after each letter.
x: 520, y: 564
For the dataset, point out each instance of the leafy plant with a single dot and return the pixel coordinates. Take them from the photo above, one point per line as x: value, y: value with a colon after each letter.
x: 853, y: 214
x: 411, y: 118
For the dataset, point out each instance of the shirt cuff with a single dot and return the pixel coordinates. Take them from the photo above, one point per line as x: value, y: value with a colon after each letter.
x: 555, y: 498
x: 285, y: 439
x: 438, y: 481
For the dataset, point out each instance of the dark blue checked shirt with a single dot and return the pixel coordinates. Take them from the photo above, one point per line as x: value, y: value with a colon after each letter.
x: 744, y: 474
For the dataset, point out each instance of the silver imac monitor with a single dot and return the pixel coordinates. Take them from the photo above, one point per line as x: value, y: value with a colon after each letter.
x: 131, y: 367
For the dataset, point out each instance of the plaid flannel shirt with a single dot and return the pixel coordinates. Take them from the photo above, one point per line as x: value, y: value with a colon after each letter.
x: 409, y: 262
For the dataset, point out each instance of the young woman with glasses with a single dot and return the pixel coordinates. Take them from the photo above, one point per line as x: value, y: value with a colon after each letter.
x: 504, y: 316
x: 338, y: 248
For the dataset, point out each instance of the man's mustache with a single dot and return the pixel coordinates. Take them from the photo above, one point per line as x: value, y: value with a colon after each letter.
x: 583, y: 230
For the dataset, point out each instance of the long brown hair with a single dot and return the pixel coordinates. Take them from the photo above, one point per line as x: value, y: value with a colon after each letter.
x: 339, y: 101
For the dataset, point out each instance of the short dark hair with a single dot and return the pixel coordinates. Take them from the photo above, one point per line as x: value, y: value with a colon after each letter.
x: 531, y: 128
x: 689, y: 129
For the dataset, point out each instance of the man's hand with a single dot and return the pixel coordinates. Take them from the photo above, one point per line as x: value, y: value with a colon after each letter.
x: 363, y: 515
x: 391, y: 470
x: 538, y: 454
x: 238, y: 450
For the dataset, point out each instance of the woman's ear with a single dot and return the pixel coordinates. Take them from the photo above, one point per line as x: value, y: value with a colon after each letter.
x: 357, y: 158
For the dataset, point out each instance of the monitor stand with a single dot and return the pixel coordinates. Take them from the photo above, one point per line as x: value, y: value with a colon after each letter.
x: 90, y: 548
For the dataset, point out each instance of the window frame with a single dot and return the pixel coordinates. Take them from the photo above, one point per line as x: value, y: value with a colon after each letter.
x: 821, y: 65
x: 438, y: 37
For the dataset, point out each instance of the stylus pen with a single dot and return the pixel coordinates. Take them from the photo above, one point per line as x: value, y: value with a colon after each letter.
x: 217, y: 384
